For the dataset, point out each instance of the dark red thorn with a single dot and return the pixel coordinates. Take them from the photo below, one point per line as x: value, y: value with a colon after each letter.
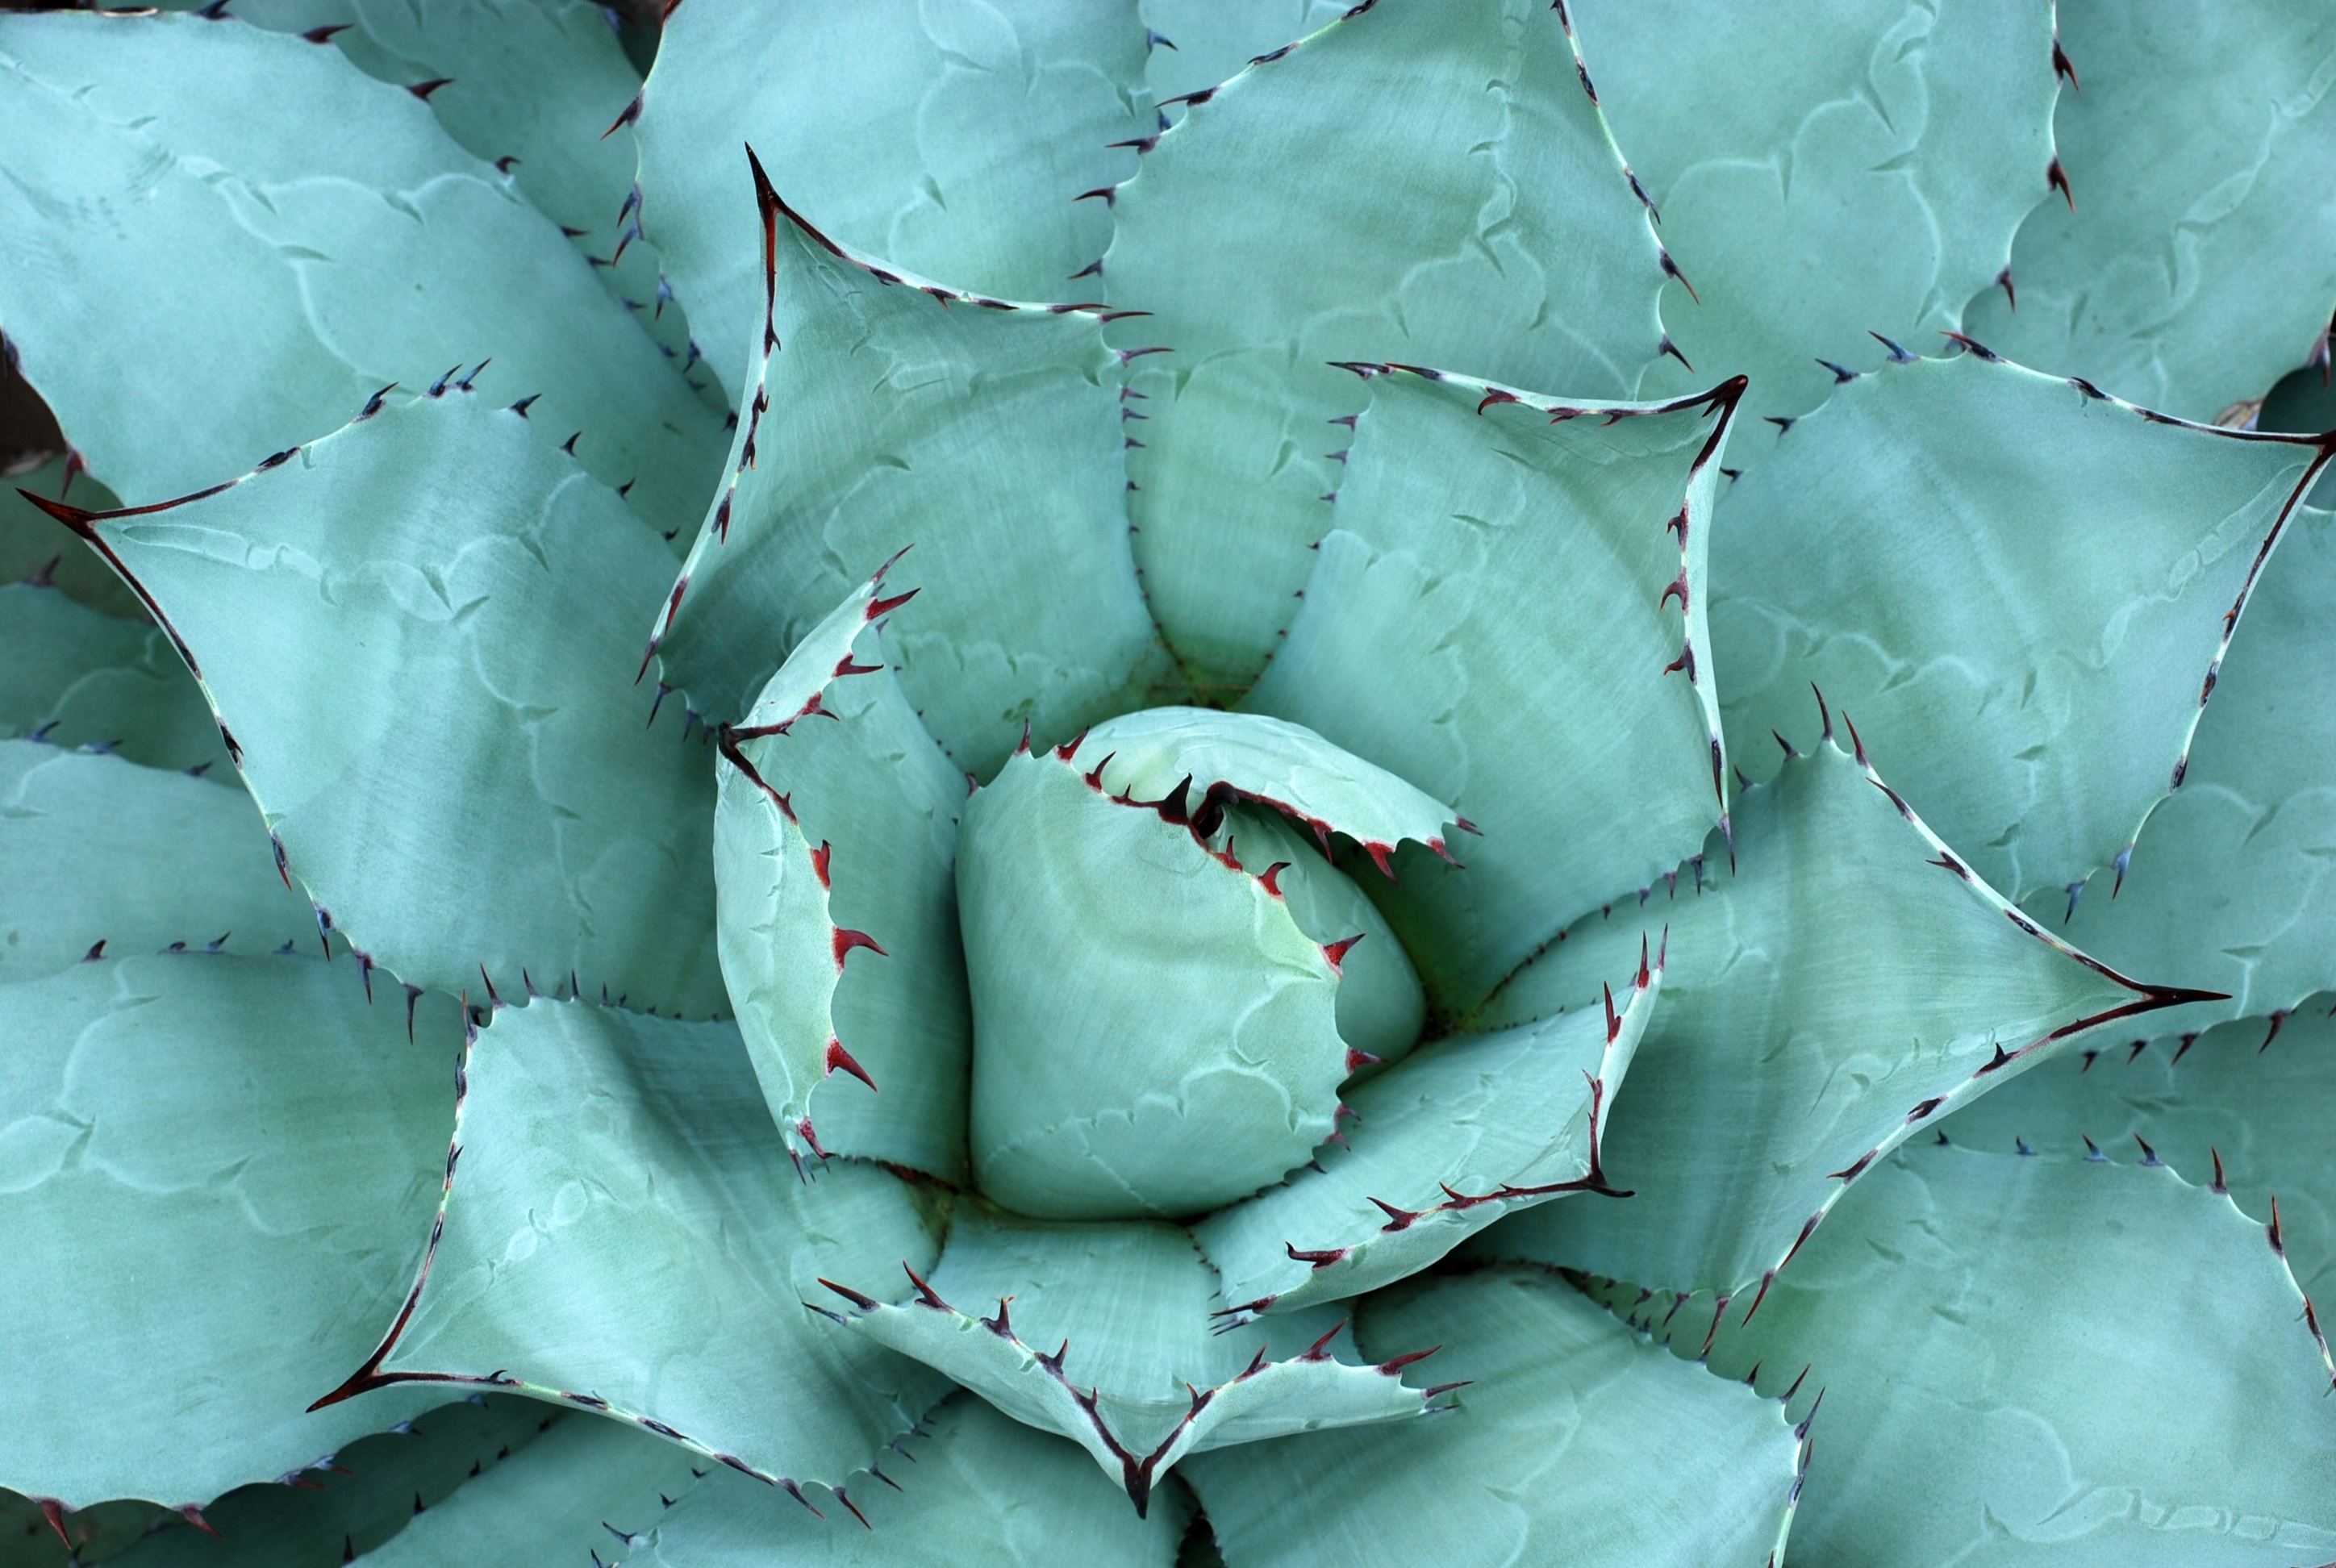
x: 865, y: 1303
x: 521, y: 407
x: 837, y: 1056
x: 632, y: 112
x: 1677, y: 585
x: 1972, y: 345
x: 1320, y: 1260
x: 1357, y: 1060
x: 1842, y: 373
x: 1494, y: 396
x: 2278, y: 1022
x: 1613, y: 1018
x: 1667, y: 346
x: 325, y: 34
x: 1444, y: 1388
x: 2061, y: 66
x: 1785, y: 744
x: 1271, y: 879
x: 568, y: 445
x: 1394, y: 1367
x: 882, y: 607
x: 819, y: 858
x: 2277, y: 1245
x: 1855, y: 742
x: 1644, y: 973
x: 503, y: 164
x: 1070, y: 748
x: 2149, y: 1155
x: 1898, y: 355
x: 193, y: 1515
x: 1852, y: 1172
x: 1336, y: 952
x: 846, y: 939
x: 1110, y: 194
x: 1670, y: 269
x: 1398, y: 1218
x: 1001, y: 1325
x: 925, y: 1292
x: 1319, y: 1351
x: 96, y: 951
x: 1022, y: 746
x: 854, y: 1507
x: 803, y: 1128
x: 2057, y: 179
x: 2220, y: 1185
x: 55, y: 1512
x: 789, y: 1487
x: 423, y: 90
x: 2011, y: 295
x: 494, y: 1002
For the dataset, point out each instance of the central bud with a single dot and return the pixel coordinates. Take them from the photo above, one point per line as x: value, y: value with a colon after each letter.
x: 1171, y: 981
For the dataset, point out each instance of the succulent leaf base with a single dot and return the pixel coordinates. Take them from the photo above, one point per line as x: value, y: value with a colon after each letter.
x: 1164, y: 781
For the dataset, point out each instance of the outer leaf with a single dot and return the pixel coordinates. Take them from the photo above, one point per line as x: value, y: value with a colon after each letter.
x: 1262, y: 257
x: 2228, y: 888
x: 32, y: 548
x: 366, y: 1493
x: 1912, y: 139
x: 1850, y: 984
x: 2023, y: 590
x: 1140, y: 1375
x: 1154, y: 1032
x: 1573, y: 1445
x: 949, y: 136
x: 101, y: 852
x: 2026, y: 1361
x: 28, y: 1539
x: 417, y: 631
x: 1197, y: 44
x: 71, y: 676
x: 983, y: 1492
x: 2194, y: 259
x: 227, y: 1161
x: 2248, y: 1104
x: 560, y: 1500
x: 987, y: 435
x: 1492, y: 618
x: 1445, y: 1143
x: 837, y: 837
x: 624, y: 1238
x: 214, y: 208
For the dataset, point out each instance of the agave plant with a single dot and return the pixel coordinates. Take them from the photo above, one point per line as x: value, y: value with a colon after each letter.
x: 1350, y: 717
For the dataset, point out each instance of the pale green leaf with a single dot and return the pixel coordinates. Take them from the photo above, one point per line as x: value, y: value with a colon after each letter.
x: 1424, y: 182
x: 1909, y: 137
x: 228, y: 1164
x: 71, y: 676
x: 1492, y: 617
x: 1850, y: 982
x: 419, y: 630
x: 950, y: 137
x: 2250, y: 1103
x: 881, y: 416
x: 30, y: 540
x: 835, y: 835
x: 100, y: 852
x: 2021, y: 589
x: 2194, y: 260
x: 982, y: 1492
x: 621, y: 1231
x: 217, y: 242
x: 1154, y: 1034
x: 2036, y: 1362
x: 2228, y: 889
x: 1573, y: 1444
x: 1456, y: 1135
x: 1142, y: 1370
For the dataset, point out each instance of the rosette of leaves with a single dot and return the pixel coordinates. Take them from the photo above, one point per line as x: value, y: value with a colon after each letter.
x: 1187, y: 939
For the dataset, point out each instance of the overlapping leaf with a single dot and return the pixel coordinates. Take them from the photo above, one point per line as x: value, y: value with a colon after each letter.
x: 881, y: 416
x: 218, y: 242
x: 227, y: 1166
x: 1848, y: 984
x: 1263, y: 256
x: 620, y: 1230
x: 418, y: 632
x: 1571, y: 1444
x: 71, y: 676
x: 32, y: 548
x: 1491, y: 617
x: 2023, y: 589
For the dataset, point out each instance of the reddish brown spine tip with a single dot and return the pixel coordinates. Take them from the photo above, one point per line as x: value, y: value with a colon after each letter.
x: 423, y: 90
x: 1336, y: 952
x: 925, y: 1292
x: 837, y: 1056
x: 846, y: 939
x: 1613, y: 1018
x: 883, y: 607
x: 1394, y: 1367
x: 1357, y: 1060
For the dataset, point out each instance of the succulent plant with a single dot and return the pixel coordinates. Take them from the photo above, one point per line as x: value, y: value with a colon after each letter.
x: 1186, y: 944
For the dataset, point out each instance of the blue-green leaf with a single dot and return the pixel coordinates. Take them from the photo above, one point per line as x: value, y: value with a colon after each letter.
x: 71, y: 676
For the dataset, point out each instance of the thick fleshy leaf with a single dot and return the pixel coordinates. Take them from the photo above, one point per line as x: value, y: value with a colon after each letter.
x: 104, y: 854
x: 218, y: 241
x: 560, y: 1500
x: 835, y: 838
x: 2022, y: 589
x: 2250, y: 1103
x: 348, y: 1501
x: 2305, y: 400
x: 1264, y: 253
x: 1914, y: 140
x: 1154, y: 1032
x: 1574, y: 1443
x: 227, y: 1163
x: 32, y: 548
x: 71, y: 676
x: 1197, y: 44
x: 2033, y: 1362
x: 2194, y: 260
x: 1445, y: 1143
x: 950, y: 137
x: 1143, y: 1371
x: 983, y: 1492
x: 1492, y: 617
x: 417, y: 631
x: 2228, y: 888
x: 1850, y: 983
x: 28, y: 1540
x: 987, y: 435
x: 620, y: 1230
